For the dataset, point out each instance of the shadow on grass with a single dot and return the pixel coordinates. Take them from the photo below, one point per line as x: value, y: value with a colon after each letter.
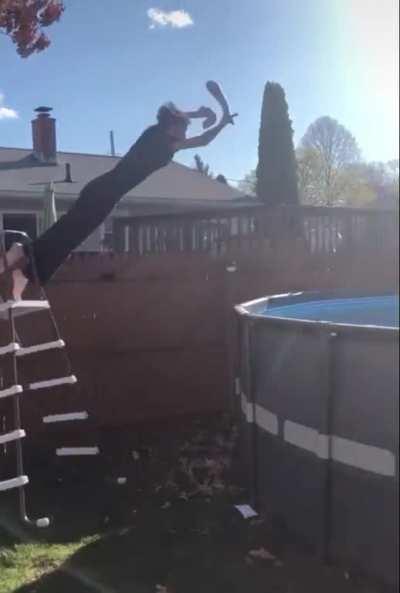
x: 194, y: 547
x: 74, y: 514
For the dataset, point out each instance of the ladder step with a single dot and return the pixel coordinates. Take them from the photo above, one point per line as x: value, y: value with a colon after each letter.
x: 11, y: 391
x: 65, y: 417
x: 66, y: 451
x: 14, y: 483
x: 53, y: 382
x: 9, y: 349
x: 12, y: 436
x: 40, y: 347
x: 23, y: 307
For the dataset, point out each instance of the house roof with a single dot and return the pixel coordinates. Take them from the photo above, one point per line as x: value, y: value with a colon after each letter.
x: 21, y: 175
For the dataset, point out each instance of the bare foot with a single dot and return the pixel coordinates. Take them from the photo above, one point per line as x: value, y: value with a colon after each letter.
x: 13, y: 255
x: 20, y: 282
x: 12, y: 279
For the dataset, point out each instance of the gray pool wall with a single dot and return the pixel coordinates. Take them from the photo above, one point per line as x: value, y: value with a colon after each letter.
x: 318, y: 405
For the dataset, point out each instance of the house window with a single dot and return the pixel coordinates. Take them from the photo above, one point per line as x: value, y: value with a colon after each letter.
x: 26, y: 223
x: 107, y: 242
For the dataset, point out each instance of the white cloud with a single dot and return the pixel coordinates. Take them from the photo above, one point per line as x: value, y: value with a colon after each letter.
x: 6, y: 112
x: 178, y: 19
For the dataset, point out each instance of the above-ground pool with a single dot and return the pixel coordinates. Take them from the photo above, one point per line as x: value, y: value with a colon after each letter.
x: 318, y: 390
x: 382, y: 311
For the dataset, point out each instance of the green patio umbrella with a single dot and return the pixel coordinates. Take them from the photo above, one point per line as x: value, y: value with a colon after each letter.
x: 49, y: 216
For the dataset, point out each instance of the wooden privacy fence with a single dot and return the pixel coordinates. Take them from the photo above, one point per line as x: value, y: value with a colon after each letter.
x: 324, y: 230
x: 154, y: 337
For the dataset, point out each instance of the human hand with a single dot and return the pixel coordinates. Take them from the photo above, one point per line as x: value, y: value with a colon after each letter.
x: 205, y: 112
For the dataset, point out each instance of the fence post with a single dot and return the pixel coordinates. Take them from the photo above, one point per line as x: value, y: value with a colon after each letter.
x: 230, y: 270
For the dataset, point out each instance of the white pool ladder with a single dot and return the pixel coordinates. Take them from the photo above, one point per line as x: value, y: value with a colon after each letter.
x: 11, y: 354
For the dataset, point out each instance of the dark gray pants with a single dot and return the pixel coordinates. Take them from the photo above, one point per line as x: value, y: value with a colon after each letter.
x: 94, y: 204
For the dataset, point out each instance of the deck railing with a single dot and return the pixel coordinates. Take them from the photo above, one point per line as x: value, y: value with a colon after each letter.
x: 324, y: 230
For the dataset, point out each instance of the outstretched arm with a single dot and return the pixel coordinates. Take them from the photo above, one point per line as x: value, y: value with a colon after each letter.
x: 207, y: 136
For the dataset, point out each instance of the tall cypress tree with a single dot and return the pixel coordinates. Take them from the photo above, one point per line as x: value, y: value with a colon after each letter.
x: 276, y: 170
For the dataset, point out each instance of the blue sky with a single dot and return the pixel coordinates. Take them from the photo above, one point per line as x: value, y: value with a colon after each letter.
x: 110, y: 66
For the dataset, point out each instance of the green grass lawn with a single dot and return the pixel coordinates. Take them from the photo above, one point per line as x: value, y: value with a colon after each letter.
x: 25, y: 563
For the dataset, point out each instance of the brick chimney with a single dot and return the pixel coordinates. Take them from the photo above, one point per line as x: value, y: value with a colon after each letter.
x: 44, y: 136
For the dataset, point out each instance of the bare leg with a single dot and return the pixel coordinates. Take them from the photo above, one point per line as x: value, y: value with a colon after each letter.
x: 20, y: 283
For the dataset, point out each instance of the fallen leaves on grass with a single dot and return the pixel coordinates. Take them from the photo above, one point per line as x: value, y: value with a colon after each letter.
x: 202, y: 465
x: 262, y: 554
